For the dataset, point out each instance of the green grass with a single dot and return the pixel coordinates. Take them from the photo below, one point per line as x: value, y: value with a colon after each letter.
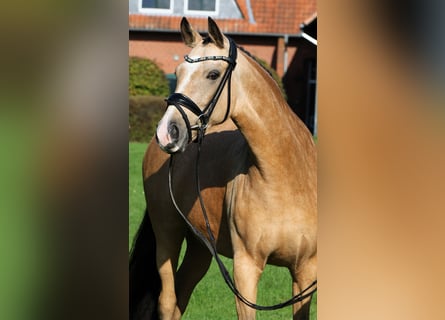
x: 212, y: 299
x: 136, y: 190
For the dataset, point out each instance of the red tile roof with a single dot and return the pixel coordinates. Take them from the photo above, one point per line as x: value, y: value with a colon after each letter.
x: 271, y: 17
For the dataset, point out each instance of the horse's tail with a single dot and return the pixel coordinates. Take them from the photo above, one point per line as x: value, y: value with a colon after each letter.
x: 145, y: 283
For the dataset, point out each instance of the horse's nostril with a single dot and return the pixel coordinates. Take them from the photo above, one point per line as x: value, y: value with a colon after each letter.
x: 173, y: 131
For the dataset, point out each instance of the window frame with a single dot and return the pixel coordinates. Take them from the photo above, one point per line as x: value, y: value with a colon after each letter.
x: 201, y: 12
x: 156, y: 10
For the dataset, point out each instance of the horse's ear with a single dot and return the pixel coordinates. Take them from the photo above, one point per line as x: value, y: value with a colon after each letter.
x: 215, y: 34
x: 191, y: 37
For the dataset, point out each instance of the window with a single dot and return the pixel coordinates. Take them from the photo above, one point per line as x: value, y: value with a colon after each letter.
x: 201, y: 7
x: 154, y: 6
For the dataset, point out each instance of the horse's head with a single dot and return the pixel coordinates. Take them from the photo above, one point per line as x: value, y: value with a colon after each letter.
x: 203, y: 79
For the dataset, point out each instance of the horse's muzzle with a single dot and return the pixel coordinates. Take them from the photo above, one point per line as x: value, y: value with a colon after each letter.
x: 172, y: 134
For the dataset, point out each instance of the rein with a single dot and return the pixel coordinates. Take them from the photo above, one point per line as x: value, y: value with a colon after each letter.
x: 179, y: 100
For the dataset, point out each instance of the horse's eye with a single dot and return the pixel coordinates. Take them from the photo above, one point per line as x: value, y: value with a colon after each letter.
x: 213, y: 75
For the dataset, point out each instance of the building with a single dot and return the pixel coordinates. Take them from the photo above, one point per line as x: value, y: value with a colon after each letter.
x: 281, y: 33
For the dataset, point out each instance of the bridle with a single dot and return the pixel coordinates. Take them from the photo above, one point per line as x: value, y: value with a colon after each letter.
x: 180, y: 100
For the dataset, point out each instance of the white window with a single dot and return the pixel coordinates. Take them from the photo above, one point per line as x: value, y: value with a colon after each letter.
x: 156, y: 6
x: 201, y: 7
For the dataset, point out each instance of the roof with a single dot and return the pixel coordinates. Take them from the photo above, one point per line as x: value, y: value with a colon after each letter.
x: 266, y: 17
x: 310, y: 26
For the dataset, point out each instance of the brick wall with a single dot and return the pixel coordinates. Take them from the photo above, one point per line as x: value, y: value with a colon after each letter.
x: 168, y: 50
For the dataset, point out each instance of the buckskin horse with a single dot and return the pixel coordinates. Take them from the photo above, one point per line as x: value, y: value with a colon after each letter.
x: 257, y: 182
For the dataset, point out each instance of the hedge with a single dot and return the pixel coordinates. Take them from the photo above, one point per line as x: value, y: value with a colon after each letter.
x: 146, y: 78
x: 144, y: 114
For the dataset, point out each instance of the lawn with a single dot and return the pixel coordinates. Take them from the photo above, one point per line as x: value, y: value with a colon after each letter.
x: 212, y: 299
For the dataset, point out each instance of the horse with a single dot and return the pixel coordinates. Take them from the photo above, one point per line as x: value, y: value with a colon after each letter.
x: 258, y: 181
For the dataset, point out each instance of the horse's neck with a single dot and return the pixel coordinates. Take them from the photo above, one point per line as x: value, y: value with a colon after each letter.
x: 275, y: 135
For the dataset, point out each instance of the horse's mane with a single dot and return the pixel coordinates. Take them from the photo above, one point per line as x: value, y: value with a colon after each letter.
x: 255, y: 59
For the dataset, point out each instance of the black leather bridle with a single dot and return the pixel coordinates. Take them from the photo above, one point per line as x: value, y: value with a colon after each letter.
x: 181, y: 101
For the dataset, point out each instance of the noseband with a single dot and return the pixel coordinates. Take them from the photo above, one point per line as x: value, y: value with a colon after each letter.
x: 181, y: 101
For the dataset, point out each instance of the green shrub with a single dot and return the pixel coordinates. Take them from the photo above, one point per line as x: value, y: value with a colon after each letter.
x: 144, y: 114
x: 146, y: 78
